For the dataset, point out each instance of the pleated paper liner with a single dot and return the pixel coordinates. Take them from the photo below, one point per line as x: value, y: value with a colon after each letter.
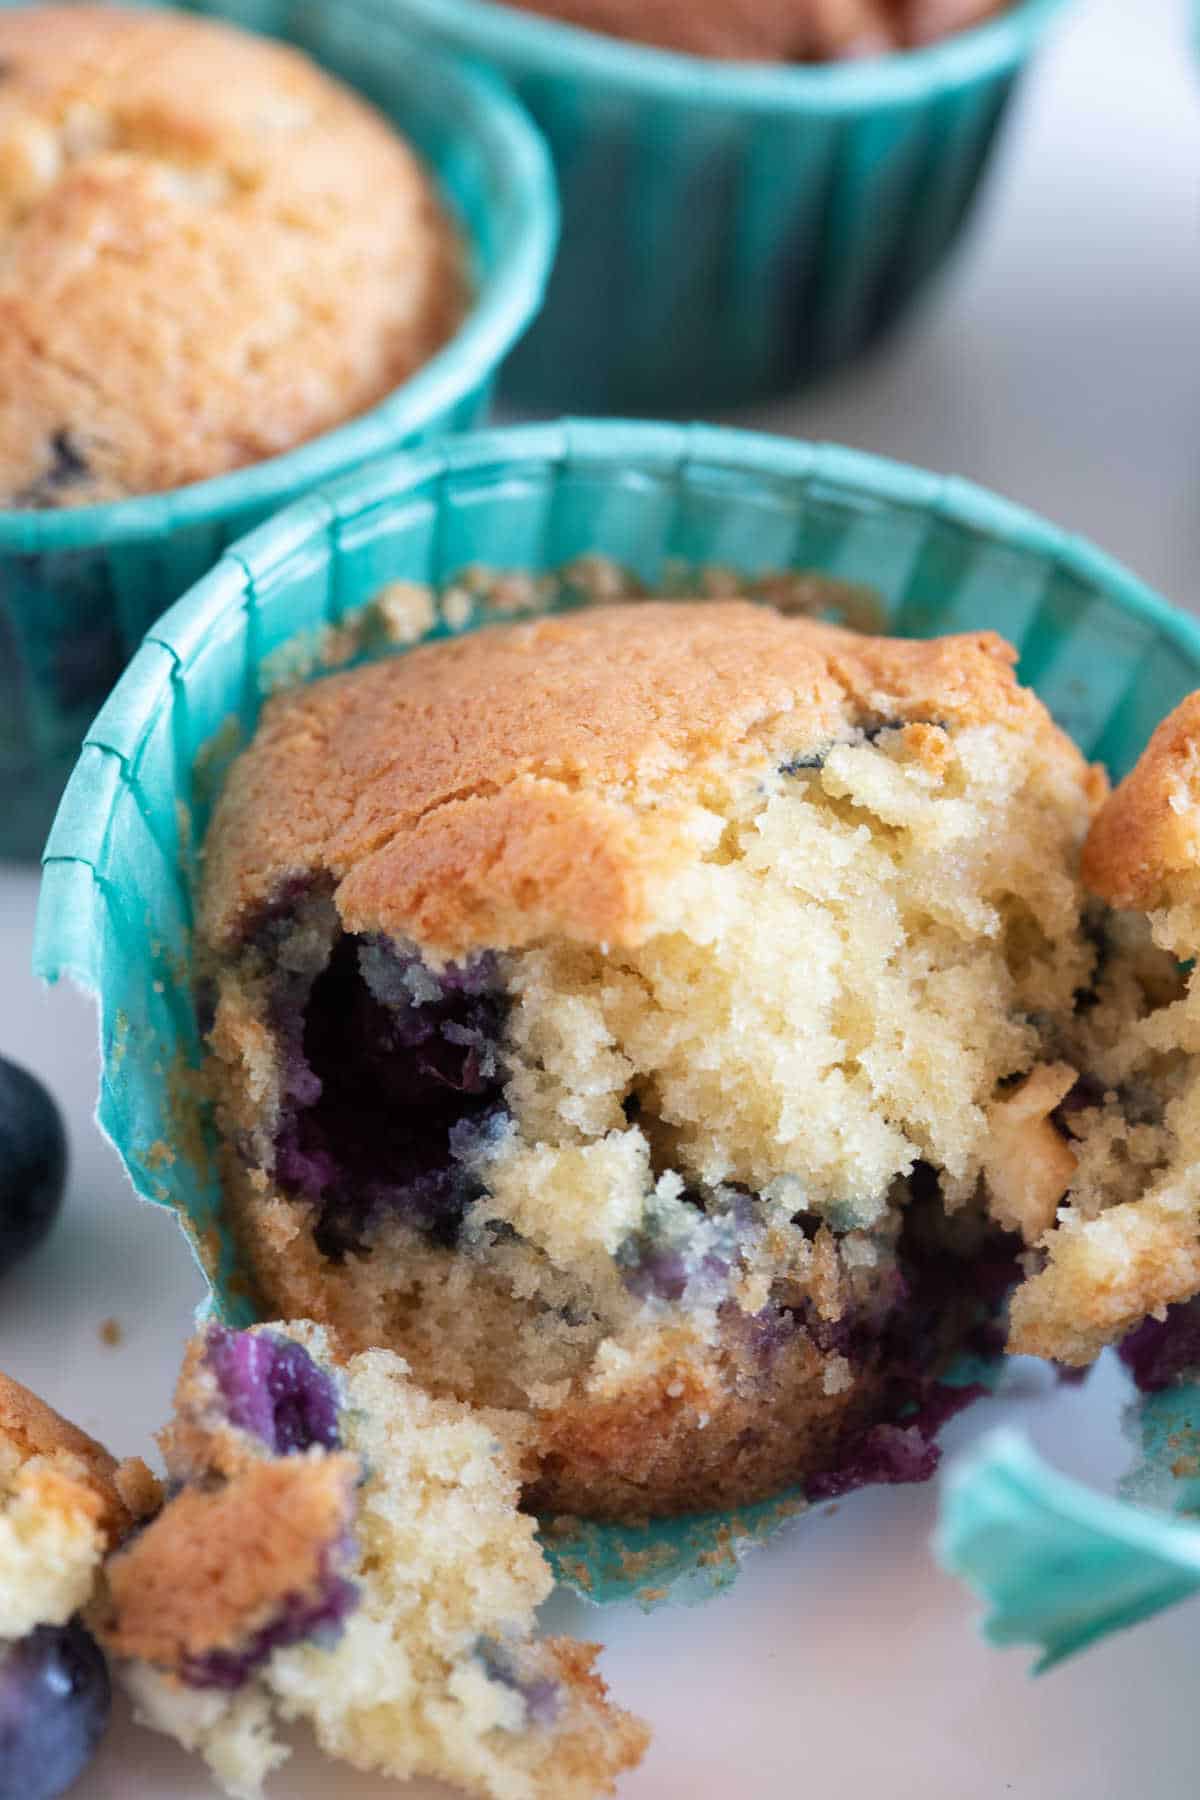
x: 485, y: 522
x: 733, y: 229
x: 1059, y: 1566
x: 79, y: 587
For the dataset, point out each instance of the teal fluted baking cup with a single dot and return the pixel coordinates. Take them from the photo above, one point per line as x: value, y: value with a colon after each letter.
x: 731, y: 230
x: 1060, y: 1566
x: 79, y: 587
x: 672, y: 506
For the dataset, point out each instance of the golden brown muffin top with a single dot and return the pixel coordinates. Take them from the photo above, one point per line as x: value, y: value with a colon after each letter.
x: 1148, y: 832
x: 546, y: 777
x: 772, y: 30
x: 117, y: 1494
x: 210, y: 251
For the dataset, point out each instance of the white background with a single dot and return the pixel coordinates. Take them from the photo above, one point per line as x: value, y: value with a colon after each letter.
x: 1060, y: 364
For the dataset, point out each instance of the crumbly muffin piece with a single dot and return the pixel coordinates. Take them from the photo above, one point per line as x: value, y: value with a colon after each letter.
x: 193, y: 273
x: 1128, y: 1245
x: 64, y: 1502
x: 651, y: 1020
x: 773, y: 30
x: 340, y: 1548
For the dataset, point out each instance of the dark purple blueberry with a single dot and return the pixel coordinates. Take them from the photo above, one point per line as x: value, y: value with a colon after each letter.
x: 930, y: 1303
x: 66, y: 468
x: 1158, y: 1352
x: 653, y: 1274
x: 33, y: 1163
x: 55, y: 1701
x: 303, y: 1618
x: 815, y: 759
x: 272, y: 1388
x: 763, y: 1335
x: 887, y: 1454
x: 391, y: 1083
x: 797, y: 765
x: 656, y: 1264
x: 542, y: 1695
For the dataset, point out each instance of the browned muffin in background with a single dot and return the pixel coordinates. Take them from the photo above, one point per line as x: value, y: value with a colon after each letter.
x: 210, y: 252
x: 773, y: 30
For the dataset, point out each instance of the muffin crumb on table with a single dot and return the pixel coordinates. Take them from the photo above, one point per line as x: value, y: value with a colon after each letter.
x: 195, y: 276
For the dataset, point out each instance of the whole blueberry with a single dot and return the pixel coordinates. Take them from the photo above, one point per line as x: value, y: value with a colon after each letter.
x: 33, y: 1163
x: 55, y: 1700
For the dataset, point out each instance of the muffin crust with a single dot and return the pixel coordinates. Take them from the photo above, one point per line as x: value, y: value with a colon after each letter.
x: 773, y: 30
x: 193, y: 274
x: 549, y: 769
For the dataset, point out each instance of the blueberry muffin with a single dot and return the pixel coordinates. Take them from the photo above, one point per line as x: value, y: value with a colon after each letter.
x: 339, y: 1548
x: 773, y: 30
x: 64, y: 1504
x: 654, y: 1020
x: 195, y: 274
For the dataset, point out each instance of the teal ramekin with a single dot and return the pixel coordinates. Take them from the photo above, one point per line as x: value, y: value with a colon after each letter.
x: 116, y: 909
x: 731, y: 230
x: 79, y: 587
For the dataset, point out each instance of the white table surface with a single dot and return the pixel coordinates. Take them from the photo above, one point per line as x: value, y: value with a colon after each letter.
x: 1060, y: 364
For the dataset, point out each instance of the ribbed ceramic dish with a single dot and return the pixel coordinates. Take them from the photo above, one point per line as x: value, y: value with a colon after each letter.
x: 730, y: 230
x: 1106, y: 655
x: 79, y: 587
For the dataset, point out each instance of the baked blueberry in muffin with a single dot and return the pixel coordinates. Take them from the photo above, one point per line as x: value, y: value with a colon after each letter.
x: 668, y: 1022
x: 194, y: 274
x: 339, y: 1548
x: 773, y: 30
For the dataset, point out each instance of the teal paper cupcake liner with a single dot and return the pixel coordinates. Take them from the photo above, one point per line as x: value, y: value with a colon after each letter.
x: 1060, y: 1567
x: 78, y: 588
x: 663, y: 502
x: 731, y: 230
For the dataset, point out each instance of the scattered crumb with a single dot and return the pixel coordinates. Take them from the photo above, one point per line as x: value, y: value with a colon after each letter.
x: 111, y: 1333
x: 457, y: 608
x: 407, y: 611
